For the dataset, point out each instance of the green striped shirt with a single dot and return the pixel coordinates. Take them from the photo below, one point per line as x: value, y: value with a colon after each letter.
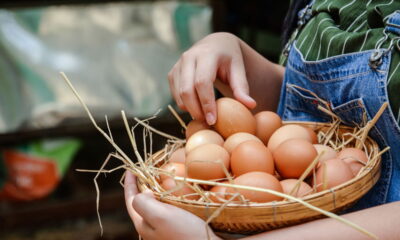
x: 346, y: 26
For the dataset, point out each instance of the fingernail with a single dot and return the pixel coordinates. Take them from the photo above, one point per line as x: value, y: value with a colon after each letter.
x: 210, y: 119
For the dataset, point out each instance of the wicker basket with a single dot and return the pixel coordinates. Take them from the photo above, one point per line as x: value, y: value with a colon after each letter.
x: 259, y: 217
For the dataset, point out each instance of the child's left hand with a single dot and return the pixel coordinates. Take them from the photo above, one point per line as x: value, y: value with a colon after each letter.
x: 157, y: 220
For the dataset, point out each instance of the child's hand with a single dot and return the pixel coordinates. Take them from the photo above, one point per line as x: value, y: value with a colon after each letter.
x: 191, y: 79
x: 157, y: 220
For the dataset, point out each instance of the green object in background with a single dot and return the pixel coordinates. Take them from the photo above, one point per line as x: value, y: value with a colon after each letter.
x: 184, y: 13
x: 33, y: 170
x: 60, y: 151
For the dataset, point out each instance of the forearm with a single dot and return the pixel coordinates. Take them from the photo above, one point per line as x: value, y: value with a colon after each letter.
x: 383, y: 221
x: 264, y: 77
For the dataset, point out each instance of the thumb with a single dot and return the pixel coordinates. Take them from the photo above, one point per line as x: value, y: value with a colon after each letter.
x: 238, y: 83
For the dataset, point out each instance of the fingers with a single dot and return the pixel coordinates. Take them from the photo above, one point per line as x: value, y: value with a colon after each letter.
x: 151, y: 210
x: 238, y: 83
x: 187, y: 91
x: 173, y: 79
x: 206, y: 72
x: 130, y: 190
x: 144, y: 229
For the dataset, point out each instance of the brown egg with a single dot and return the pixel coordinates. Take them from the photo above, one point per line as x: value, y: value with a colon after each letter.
x: 203, y: 137
x: 329, y: 152
x: 288, y: 132
x: 177, y: 169
x: 335, y: 171
x: 207, y: 162
x: 195, y: 126
x: 303, y: 190
x: 235, y: 139
x: 219, y: 192
x: 178, y: 156
x: 313, y: 135
x: 355, y: 158
x: 233, y: 117
x: 292, y: 157
x: 267, y: 123
x: 353, y: 155
x: 355, y: 167
x: 260, y: 180
x: 251, y: 156
x: 183, y: 189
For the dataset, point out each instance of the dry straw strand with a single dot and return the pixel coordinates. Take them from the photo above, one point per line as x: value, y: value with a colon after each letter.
x: 326, y: 213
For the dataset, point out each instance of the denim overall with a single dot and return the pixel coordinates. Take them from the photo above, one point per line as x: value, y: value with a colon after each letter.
x: 354, y: 85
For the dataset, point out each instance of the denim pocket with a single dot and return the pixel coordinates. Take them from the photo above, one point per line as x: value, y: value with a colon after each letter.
x: 301, y: 105
x: 352, y: 113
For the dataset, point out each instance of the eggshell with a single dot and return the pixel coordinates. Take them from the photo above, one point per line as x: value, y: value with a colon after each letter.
x: 260, y: 180
x: 251, y: 156
x: 337, y: 172
x: 353, y: 155
x: 329, y: 152
x: 219, y: 191
x: 313, y: 135
x: 177, y: 169
x: 235, y: 139
x: 233, y: 117
x: 267, y: 123
x: 288, y: 132
x: 289, y: 184
x: 203, y: 137
x: 178, y: 156
x: 292, y: 157
x: 355, y: 167
x: 183, y: 189
x: 207, y: 162
x: 195, y: 126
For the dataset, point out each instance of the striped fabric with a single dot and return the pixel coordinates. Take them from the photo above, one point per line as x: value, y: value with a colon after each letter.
x: 345, y: 26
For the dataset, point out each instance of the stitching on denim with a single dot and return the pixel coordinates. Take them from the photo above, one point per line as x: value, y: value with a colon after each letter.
x: 346, y: 55
x: 296, y: 91
x: 357, y: 103
x: 330, y: 80
x: 388, y: 173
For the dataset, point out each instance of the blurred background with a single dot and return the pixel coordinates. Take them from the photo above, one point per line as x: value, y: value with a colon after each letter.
x: 117, y: 54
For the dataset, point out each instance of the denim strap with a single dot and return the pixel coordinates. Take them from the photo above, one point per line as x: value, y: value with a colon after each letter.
x: 393, y: 23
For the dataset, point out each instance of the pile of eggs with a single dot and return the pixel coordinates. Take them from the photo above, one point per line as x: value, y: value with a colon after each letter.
x: 257, y: 151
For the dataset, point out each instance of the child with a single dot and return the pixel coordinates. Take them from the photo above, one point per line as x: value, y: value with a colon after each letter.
x: 346, y: 52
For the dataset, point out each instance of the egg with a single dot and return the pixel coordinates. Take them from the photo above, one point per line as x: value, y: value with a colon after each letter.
x: 233, y: 117
x: 289, y: 184
x: 235, y: 139
x: 177, y: 169
x: 267, y: 123
x: 260, y: 180
x: 355, y: 158
x: 219, y: 192
x: 329, y: 152
x: 178, y: 156
x: 355, y: 167
x: 313, y: 135
x: 207, y: 162
x: 251, y: 156
x: 335, y: 171
x: 293, y: 156
x: 183, y: 189
x: 195, y: 126
x: 353, y: 155
x: 203, y: 137
x: 288, y: 132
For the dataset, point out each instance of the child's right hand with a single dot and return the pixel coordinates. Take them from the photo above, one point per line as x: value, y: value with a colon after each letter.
x: 191, y: 80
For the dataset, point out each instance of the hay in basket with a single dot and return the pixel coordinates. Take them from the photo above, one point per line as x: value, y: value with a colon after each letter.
x: 243, y: 216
